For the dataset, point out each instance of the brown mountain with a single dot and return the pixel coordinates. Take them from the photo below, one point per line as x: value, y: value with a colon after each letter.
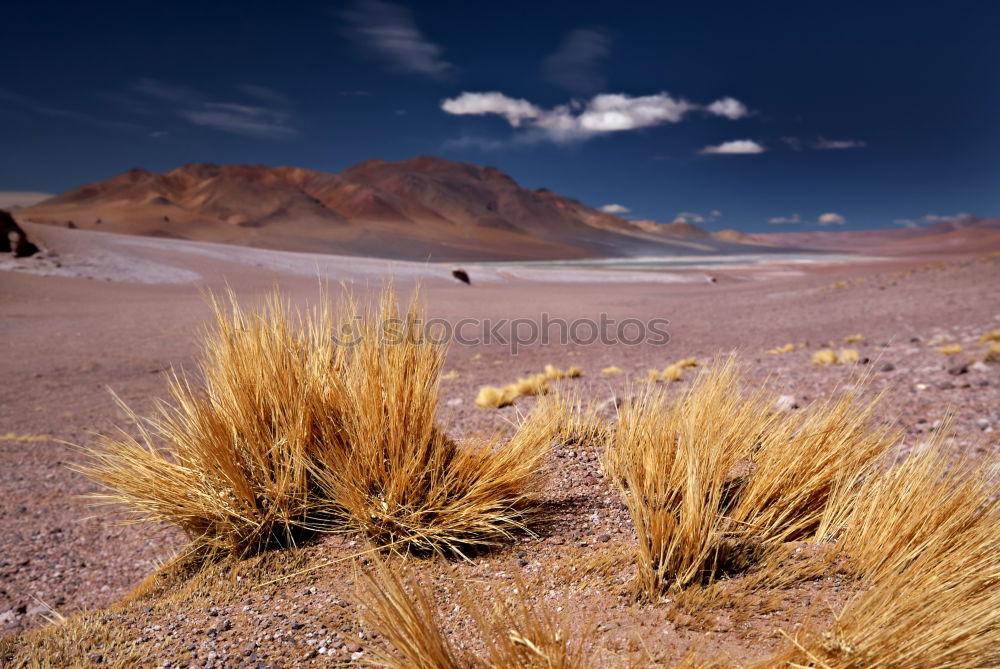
x: 416, y: 209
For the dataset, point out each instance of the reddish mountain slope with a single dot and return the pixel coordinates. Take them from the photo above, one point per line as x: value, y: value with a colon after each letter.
x: 415, y: 209
x: 967, y: 234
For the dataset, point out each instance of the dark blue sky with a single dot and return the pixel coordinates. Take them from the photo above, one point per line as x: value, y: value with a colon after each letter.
x: 869, y: 112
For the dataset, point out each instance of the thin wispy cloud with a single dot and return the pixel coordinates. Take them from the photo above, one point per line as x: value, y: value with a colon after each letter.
x: 784, y: 220
x: 578, y: 64
x: 734, y: 147
x: 932, y: 219
x: 26, y: 103
x: 822, y: 143
x: 390, y: 33
x: 272, y: 121
x: 615, y: 209
x: 576, y: 120
x: 265, y: 94
x: 696, y: 217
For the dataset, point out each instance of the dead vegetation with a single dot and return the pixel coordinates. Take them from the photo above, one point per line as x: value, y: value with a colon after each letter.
x: 293, y: 432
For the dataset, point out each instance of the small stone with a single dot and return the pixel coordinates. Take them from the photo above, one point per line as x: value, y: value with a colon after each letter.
x: 522, y: 563
x: 958, y: 369
x: 603, y: 538
x: 353, y: 648
x: 357, y: 656
x: 95, y: 658
x: 786, y: 403
x: 888, y: 367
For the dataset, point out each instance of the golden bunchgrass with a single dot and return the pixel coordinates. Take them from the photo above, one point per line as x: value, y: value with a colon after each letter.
x: 992, y: 353
x: 609, y: 371
x: 853, y: 339
x: 824, y: 357
x: 923, y: 536
x: 513, y: 632
x: 714, y: 477
x: 498, y: 397
x: 294, y: 432
x: 992, y: 336
x: 672, y: 373
x: 950, y: 349
x: 847, y: 356
x: 787, y: 348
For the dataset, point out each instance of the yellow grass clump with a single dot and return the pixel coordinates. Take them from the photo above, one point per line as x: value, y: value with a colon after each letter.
x: 672, y: 373
x: 950, y: 349
x: 608, y: 371
x: 787, y: 348
x: 713, y: 477
x: 824, y: 357
x: 497, y: 397
x: 553, y: 373
x: 450, y: 376
x: 992, y: 353
x: 990, y: 337
x: 924, y: 536
x: 294, y: 431
x: 515, y: 633
x: 854, y: 338
x: 848, y: 355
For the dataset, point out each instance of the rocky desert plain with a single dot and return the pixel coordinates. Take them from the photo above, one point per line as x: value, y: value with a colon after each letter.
x: 118, y: 297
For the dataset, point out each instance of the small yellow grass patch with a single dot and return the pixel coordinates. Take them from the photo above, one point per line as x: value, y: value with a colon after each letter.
x: 854, y: 338
x: 787, y: 348
x: 950, y: 349
x: 608, y: 371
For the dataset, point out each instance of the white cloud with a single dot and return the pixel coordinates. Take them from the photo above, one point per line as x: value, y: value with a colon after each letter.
x: 778, y: 220
x: 831, y: 219
x: 615, y: 209
x: 21, y: 198
x: 160, y: 90
x: 605, y: 113
x: 695, y: 217
x: 736, y: 146
x: 823, y: 143
x: 577, y: 64
x: 390, y: 32
x: 731, y: 108
x: 514, y: 110
x: 906, y: 222
x: 931, y: 219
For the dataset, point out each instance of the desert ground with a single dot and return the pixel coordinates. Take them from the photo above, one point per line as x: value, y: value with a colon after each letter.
x: 102, y: 315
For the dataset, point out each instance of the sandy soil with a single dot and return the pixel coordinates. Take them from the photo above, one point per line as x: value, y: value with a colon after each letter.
x: 103, y: 314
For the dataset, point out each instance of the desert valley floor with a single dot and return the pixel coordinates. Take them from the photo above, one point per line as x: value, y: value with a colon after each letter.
x: 109, y: 314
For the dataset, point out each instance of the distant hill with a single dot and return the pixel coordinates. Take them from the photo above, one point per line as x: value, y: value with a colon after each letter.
x: 961, y: 235
x: 423, y: 208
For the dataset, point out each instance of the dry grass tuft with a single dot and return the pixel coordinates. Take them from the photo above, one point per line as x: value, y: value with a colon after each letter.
x: 450, y: 376
x: 950, y: 349
x: 787, y: 348
x: 847, y: 356
x: 992, y: 353
x: 824, y: 357
x: 853, y: 339
x: 608, y: 371
x: 293, y: 432
x: 924, y: 535
x: 714, y: 479
x: 514, y: 634
x: 990, y: 337
x: 495, y: 397
x: 672, y: 373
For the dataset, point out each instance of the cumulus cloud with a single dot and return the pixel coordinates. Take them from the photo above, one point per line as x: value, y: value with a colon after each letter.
x: 252, y: 120
x: 389, y: 32
x: 514, y: 110
x: 736, y: 146
x: 578, y: 63
x: 10, y: 199
x: 779, y: 220
x: 831, y: 219
x: 604, y: 113
x: 731, y: 108
x: 615, y: 209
